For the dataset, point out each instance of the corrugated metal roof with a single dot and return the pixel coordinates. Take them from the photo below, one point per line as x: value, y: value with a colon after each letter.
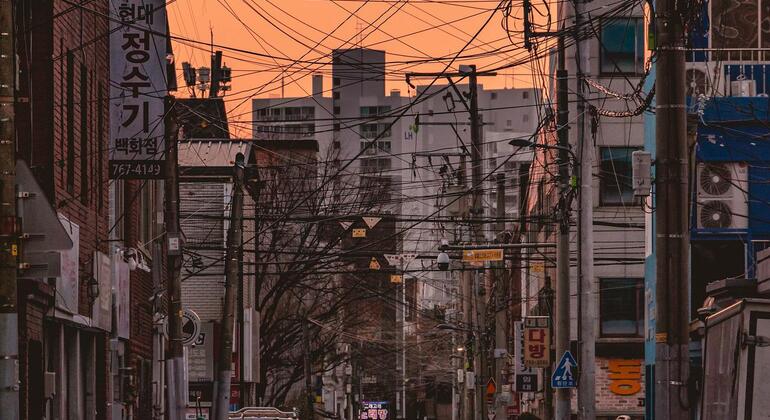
x: 213, y: 153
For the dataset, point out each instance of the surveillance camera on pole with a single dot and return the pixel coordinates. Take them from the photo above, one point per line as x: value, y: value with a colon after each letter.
x: 443, y: 258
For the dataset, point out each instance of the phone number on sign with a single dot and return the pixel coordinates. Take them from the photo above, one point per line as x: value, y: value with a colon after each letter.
x: 137, y: 170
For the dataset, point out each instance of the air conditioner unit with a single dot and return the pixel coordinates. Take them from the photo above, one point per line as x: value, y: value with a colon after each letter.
x: 743, y: 88
x: 371, y: 149
x: 722, y: 195
x: 699, y: 79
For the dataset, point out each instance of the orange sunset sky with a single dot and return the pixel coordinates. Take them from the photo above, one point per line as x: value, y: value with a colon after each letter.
x: 294, y: 37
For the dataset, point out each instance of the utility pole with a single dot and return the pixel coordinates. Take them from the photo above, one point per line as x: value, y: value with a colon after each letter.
x: 9, y: 329
x: 671, y: 226
x: 234, y: 245
x: 501, y: 301
x: 468, y: 285
x: 308, y: 372
x: 175, y: 364
x: 587, y: 298
x: 477, y: 159
x: 562, y: 411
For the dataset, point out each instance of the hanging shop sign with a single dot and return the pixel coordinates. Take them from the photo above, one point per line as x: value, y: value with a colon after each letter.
x: 138, y: 69
x: 537, y: 342
x: 482, y: 255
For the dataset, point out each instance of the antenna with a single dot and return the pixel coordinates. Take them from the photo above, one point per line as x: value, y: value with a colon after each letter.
x: 359, y: 33
x: 211, y: 32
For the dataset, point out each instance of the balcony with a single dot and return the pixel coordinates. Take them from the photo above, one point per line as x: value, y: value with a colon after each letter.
x: 728, y: 72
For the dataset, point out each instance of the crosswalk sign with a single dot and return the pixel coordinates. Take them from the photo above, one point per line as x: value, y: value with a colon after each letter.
x: 564, y: 374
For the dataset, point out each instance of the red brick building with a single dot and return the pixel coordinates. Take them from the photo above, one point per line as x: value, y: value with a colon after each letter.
x: 86, y: 333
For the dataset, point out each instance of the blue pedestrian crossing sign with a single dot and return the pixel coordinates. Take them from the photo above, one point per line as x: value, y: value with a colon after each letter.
x: 564, y: 374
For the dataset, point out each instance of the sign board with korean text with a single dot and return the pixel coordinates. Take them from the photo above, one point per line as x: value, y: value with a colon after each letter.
x: 482, y: 255
x: 374, y: 410
x: 525, y: 377
x: 564, y: 374
x: 537, y: 341
x: 102, y: 306
x: 67, y: 295
x: 625, y: 376
x: 138, y: 71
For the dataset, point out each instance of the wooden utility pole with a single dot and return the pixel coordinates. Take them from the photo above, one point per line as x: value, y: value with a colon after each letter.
x: 232, y: 254
x: 562, y: 409
x: 175, y: 361
x: 671, y: 225
x: 9, y: 330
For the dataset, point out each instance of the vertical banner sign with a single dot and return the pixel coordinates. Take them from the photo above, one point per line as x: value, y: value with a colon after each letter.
x: 526, y: 377
x: 138, y: 36
x: 537, y: 342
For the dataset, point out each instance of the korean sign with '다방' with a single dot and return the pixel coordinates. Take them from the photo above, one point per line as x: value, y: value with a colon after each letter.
x: 537, y: 342
x: 138, y: 63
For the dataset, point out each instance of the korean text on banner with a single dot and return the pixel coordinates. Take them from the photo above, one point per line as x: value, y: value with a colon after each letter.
x: 138, y: 67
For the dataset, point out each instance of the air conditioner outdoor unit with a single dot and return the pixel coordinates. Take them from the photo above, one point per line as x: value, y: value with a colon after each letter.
x: 743, y: 88
x: 722, y: 195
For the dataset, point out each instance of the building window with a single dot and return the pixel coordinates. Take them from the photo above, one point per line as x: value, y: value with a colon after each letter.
x: 336, y: 81
x: 336, y: 127
x: 70, y: 122
x: 525, y: 118
x: 622, y: 46
x: 525, y: 94
x: 615, y: 187
x: 493, y: 96
x: 621, y: 307
x: 337, y: 110
x: 336, y: 94
x: 85, y: 102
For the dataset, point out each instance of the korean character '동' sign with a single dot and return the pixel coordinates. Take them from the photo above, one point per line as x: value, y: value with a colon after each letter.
x: 138, y: 30
x: 537, y: 342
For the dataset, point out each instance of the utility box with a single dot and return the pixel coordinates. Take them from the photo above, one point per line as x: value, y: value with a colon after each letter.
x: 736, y: 354
x: 456, y: 201
x: 641, y: 170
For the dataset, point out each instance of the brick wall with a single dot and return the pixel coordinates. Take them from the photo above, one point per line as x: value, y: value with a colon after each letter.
x: 615, y: 377
x: 80, y: 71
x: 34, y: 299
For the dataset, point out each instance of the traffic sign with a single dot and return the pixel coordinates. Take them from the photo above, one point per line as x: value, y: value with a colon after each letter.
x: 491, y: 387
x: 191, y: 327
x: 359, y: 233
x: 482, y: 255
x: 374, y: 264
x: 563, y: 376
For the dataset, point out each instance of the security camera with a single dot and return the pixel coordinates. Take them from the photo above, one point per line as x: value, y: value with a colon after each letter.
x: 443, y: 261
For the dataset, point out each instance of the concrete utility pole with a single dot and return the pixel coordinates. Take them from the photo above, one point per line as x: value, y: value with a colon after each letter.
x: 671, y: 227
x: 175, y: 364
x: 588, y: 298
x: 562, y: 411
x: 309, y: 403
x: 234, y: 245
x: 468, y: 284
x: 501, y: 301
x: 9, y: 333
x: 477, y: 168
